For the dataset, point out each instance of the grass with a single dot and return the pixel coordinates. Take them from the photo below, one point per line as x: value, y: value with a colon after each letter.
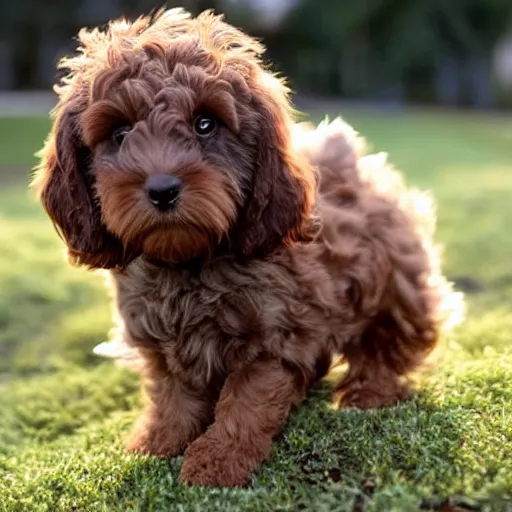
x: 64, y: 413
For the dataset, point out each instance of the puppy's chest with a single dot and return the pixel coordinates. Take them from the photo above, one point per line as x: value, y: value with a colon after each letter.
x: 209, y: 320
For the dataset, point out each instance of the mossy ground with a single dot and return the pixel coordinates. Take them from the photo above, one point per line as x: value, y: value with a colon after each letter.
x: 63, y: 413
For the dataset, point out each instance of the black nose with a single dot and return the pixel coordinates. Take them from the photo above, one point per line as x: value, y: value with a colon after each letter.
x: 163, y: 191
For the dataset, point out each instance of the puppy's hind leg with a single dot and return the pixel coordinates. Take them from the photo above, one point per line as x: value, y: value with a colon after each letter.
x: 381, y: 361
x: 370, y: 383
x: 404, y: 300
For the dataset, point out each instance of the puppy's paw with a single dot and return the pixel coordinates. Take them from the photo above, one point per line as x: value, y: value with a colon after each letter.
x: 146, y: 441
x: 211, y: 463
x: 370, y: 398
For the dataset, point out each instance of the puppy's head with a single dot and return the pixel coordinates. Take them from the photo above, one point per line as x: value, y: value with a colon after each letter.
x: 171, y: 140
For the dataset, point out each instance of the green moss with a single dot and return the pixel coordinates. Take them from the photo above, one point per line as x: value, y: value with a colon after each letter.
x: 63, y: 414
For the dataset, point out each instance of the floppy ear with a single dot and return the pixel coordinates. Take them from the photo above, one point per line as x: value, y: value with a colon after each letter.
x: 283, y: 187
x: 66, y: 190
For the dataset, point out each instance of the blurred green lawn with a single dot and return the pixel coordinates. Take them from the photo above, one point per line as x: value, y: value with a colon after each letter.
x: 63, y: 413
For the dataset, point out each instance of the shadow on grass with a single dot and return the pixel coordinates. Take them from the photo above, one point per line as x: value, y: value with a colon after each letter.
x: 325, y: 458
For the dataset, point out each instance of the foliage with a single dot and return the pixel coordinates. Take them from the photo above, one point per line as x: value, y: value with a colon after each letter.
x: 386, y: 42
x: 365, y: 49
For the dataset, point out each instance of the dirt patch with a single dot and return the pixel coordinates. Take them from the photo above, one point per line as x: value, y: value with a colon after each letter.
x: 450, y: 505
x: 467, y: 284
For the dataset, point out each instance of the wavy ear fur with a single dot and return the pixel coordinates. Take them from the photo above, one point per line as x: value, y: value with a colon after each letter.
x: 66, y: 190
x: 283, y: 188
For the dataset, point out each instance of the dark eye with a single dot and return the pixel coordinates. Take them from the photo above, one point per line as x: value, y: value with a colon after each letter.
x: 204, y: 125
x: 119, y: 134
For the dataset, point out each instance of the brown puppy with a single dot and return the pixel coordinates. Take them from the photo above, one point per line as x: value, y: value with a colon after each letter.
x: 245, y: 252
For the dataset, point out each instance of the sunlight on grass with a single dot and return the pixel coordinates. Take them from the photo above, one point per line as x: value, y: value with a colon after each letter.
x: 64, y: 413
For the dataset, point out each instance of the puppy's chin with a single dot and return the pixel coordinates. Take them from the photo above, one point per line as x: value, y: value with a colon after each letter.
x: 193, y: 232
x: 177, y: 244
x: 206, y: 210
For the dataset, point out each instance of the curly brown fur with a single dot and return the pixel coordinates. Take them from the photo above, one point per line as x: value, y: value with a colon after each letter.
x: 286, y: 246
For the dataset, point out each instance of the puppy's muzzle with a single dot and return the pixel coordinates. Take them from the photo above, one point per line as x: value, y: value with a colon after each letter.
x: 163, y: 191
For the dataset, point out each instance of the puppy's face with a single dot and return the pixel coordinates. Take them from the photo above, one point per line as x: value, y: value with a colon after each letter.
x: 171, y: 141
x: 172, y: 153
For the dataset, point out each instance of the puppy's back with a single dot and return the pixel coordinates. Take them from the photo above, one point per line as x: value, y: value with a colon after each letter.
x: 333, y: 148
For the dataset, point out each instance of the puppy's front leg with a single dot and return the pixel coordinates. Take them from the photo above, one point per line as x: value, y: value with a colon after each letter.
x: 175, y: 415
x: 253, y: 406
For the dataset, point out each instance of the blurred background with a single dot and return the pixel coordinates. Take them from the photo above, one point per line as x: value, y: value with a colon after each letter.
x: 427, y: 81
x: 456, y: 53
